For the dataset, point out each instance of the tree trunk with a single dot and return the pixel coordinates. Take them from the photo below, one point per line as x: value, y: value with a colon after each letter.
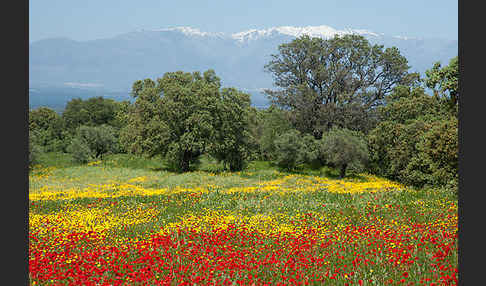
x: 185, y: 162
x: 342, y: 172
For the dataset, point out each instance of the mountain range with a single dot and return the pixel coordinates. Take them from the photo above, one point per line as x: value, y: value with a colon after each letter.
x: 111, y: 65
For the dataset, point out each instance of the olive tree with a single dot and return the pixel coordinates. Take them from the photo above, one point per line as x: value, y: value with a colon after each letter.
x: 289, y: 150
x: 274, y: 123
x: 344, y: 148
x: 91, y: 142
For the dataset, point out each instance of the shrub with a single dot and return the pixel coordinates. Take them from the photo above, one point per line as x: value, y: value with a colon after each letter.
x: 417, y: 153
x: 92, y: 142
x: 49, y: 129
x: 344, y: 148
x: 289, y: 150
x: 392, y: 146
x: 94, y: 111
x: 34, y: 150
x: 440, y: 146
x: 436, y: 158
x: 80, y: 150
x: 312, y: 151
x: 274, y: 124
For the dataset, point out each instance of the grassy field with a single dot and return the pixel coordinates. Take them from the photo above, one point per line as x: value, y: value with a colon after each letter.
x: 127, y: 221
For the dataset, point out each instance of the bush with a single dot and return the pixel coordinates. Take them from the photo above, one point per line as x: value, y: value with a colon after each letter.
x: 94, y: 111
x: 274, y: 123
x: 312, y: 151
x: 344, y: 149
x: 289, y: 150
x: 436, y: 158
x: 440, y: 148
x: 416, y: 142
x: 80, y: 150
x: 34, y: 150
x: 392, y: 146
x: 92, y: 142
x: 417, y: 153
x: 49, y: 129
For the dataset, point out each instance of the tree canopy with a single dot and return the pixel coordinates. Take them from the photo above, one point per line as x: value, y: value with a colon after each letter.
x: 47, y: 129
x: 320, y: 80
x: 182, y: 115
x: 91, y: 142
x: 93, y: 111
x: 232, y: 137
x: 445, y: 82
x: 416, y: 139
x: 344, y: 148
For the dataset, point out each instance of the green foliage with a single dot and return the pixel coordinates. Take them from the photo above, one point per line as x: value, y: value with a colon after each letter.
x: 312, y: 151
x: 445, y: 82
x: 233, y: 139
x: 406, y: 104
x: 184, y: 115
x: 436, y: 160
x: 255, y: 128
x: 92, y: 142
x: 93, y: 111
x: 34, y: 150
x: 48, y: 129
x: 440, y: 146
x: 179, y: 159
x: 145, y: 133
x: 274, y: 123
x: 121, y: 120
x: 80, y: 150
x: 416, y: 141
x: 289, y: 150
x: 392, y: 146
x: 335, y: 82
x: 344, y: 148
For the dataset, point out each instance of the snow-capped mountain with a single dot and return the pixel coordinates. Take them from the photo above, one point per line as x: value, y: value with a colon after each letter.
x: 322, y: 31
x: 113, y: 64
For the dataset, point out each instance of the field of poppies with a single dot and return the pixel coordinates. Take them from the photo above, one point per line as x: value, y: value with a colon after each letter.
x: 106, y: 224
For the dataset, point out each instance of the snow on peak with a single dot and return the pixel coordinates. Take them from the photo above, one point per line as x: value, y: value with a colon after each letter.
x: 313, y: 31
x: 322, y: 31
x: 189, y: 31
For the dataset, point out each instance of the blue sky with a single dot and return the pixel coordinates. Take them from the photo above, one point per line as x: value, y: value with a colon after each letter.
x: 94, y: 19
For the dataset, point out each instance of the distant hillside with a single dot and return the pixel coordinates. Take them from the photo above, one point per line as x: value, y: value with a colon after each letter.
x: 57, y: 97
x: 62, y: 68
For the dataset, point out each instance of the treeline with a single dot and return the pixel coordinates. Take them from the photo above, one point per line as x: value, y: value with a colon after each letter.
x: 340, y: 102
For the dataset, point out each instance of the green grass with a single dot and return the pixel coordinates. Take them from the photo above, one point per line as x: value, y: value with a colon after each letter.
x: 417, y: 206
x: 121, y: 168
x: 56, y: 159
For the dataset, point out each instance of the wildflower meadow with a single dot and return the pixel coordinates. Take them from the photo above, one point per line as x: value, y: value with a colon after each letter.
x: 103, y: 223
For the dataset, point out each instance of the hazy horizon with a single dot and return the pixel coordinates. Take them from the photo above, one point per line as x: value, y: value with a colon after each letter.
x: 90, y: 20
